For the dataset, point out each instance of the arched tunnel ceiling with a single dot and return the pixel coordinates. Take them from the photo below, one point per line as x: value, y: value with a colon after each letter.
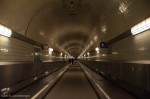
x: 70, y: 25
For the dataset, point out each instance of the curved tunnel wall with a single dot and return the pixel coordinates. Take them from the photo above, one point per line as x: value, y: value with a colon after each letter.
x: 132, y: 48
x: 16, y: 76
x: 125, y: 63
x: 14, y: 50
x: 87, y: 23
x: 131, y: 76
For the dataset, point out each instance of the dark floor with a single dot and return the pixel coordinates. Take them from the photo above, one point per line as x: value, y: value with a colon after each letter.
x: 72, y: 85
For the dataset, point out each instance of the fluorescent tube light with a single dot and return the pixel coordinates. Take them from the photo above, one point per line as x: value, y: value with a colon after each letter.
x: 5, y: 31
x: 141, y: 27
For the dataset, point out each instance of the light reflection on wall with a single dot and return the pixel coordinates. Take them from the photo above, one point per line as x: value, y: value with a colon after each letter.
x: 4, y: 50
x: 114, y: 53
x: 15, y: 50
x: 104, y: 28
x: 142, y: 48
x: 123, y: 7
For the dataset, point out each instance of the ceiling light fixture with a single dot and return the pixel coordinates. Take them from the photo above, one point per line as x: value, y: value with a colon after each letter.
x: 96, y: 49
x: 141, y: 27
x: 61, y: 54
x: 95, y: 38
x: 5, y: 31
x: 50, y: 49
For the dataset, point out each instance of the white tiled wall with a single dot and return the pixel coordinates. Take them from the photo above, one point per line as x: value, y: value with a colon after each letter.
x: 50, y: 57
x: 135, y: 47
x: 15, y: 50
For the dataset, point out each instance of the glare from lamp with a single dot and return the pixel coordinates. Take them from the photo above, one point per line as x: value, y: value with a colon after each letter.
x: 61, y: 53
x: 141, y: 27
x: 96, y: 49
x: 5, y: 31
x: 50, y: 49
x: 95, y: 38
x: 88, y: 54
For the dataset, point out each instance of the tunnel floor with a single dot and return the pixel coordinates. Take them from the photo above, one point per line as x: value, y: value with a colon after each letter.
x: 72, y: 85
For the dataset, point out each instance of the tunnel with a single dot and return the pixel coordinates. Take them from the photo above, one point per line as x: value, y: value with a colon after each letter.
x: 74, y: 49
